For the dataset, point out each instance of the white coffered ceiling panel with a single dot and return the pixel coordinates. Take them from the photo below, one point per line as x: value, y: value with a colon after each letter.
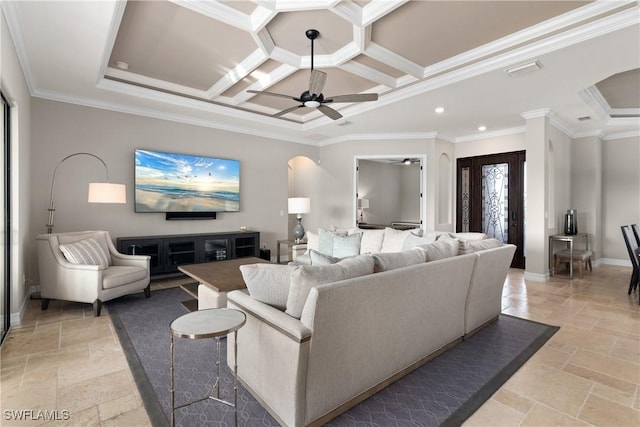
x: 194, y: 62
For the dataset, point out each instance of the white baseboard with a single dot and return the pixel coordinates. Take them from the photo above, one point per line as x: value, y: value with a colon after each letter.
x: 16, y: 318
x: 536, y: 277
x: 615, y: 261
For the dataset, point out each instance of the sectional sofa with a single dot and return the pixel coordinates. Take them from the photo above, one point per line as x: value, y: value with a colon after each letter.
x: 321, y: 338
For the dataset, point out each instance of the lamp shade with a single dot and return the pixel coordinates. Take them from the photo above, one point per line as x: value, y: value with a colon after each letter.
x: 363, y: 203
x: 105, y: 192
x: 299, y: 205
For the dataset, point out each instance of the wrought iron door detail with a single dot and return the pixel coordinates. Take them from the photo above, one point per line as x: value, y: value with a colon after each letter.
x: 465, y: 199
x: 495, y: 201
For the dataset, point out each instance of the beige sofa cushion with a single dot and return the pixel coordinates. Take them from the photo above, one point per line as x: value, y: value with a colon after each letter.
x: 318, y: 258
x: 470, y: 246
x: 444, y: 247
x: 306, y: 277
x: 392, y: 260
x: 268, y: 283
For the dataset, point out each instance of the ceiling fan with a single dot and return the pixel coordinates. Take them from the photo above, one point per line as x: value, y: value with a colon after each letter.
x: 313, y: 97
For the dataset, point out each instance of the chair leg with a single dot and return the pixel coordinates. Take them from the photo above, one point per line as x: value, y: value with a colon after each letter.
x: 44, y: 303
x: 556, y: 266
x: 147, y: 291
x: 634, y: 281
x: 589, y: 265
x: 580, y: 272
x: 97, y: 308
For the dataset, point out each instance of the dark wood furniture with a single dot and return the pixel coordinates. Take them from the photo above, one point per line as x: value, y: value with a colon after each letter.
x: 221, y: 276
x: 170, y: 251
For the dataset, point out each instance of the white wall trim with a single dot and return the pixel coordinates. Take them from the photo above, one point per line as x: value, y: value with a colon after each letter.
x: 536, y: 277
x: 16, y: 318
x: 615, y: 261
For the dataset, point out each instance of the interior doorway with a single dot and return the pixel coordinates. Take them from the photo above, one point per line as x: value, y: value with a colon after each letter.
x: 5, y: 221
x: 491, y: 197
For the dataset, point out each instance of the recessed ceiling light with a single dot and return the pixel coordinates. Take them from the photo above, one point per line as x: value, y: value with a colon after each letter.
x: 122, y: 65
x: 482, y: 128
x: 439, y: 110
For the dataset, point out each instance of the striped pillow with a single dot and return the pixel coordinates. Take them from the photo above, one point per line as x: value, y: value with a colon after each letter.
x: 86, y: 251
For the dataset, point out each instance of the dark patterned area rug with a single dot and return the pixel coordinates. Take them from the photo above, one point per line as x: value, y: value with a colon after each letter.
x: 445, y: 391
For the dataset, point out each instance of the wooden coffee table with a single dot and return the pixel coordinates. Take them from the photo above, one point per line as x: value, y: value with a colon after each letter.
x: 217, y: 278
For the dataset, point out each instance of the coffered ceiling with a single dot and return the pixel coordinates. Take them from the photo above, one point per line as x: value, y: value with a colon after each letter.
x: 196, y: 61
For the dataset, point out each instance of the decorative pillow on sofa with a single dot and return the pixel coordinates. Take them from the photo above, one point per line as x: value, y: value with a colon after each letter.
x: 268, y: 283
x: 412, y: 240
x: 86, y: 251
x: 318, y: 258
x: 392, y: 260
x: 371, y: 242
x: 394, y: 239
x: 306, y: 277
x: 470, y: 246
x: 346, y: 246
x: 325, y: 240
x: 444, y: 247
x: 469, y: 236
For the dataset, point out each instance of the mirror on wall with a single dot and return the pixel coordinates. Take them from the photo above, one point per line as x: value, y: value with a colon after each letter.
x: 389, y: 191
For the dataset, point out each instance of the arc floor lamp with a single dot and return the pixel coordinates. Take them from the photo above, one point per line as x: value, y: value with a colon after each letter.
x: 99, y: 192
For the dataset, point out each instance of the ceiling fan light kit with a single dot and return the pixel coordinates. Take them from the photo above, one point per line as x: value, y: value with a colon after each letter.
x: 313, y: 97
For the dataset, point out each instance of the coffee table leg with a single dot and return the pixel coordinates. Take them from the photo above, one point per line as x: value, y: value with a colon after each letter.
x: 173, y: 406
x: 218, y: 367
x: 235, y: 377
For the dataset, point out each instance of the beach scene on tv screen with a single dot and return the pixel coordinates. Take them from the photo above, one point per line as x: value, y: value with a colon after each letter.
x: 170, y: 182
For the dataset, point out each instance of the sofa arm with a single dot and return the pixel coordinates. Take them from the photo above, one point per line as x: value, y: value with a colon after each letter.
x: 133, y: 260
x: 282, y: 322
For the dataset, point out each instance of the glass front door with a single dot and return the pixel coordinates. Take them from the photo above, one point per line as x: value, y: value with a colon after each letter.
x: 5, y: 223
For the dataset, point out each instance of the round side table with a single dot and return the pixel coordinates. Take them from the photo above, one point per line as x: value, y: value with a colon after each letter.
x: 210, y: 323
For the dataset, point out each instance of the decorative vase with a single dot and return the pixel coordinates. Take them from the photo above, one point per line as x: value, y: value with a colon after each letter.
x: 298, y: 230
x: 571, y: 222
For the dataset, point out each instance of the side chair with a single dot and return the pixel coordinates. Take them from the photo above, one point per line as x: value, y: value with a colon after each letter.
x: 632, y: 247
x: 86, y: 267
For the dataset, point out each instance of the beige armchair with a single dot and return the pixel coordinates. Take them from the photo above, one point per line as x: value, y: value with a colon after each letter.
x: 70, y: 276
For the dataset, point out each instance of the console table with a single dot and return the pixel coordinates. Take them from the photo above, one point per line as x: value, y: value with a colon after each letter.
x: 170, y: 251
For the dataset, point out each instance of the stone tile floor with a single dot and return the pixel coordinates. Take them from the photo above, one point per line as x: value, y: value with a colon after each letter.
x: 65, y: 360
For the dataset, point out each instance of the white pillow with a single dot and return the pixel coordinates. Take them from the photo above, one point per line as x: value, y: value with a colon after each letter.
x: 86, y: 251
x: 392, y: 260
x: 470, y: 246
x: 469, y: 236
x: 325, y: 240
x: 412, y: 240
x: 313, y: 241
x: 306, y: 277
x: 394, y: 239
x: 268, y: 283
x: 371, y: 242
x: 346, y: 246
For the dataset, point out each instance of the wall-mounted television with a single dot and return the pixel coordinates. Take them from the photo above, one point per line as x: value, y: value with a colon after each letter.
x: 181, y: 183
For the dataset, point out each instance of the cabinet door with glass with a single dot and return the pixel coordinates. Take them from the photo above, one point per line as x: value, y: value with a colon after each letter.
x: 213, y: 248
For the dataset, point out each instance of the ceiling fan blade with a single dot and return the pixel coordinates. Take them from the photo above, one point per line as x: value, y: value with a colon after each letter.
x: 356, y: 97
x: 288, y: 110
x: 316, y: 82
x: 272, y: 94
x: 329, y: 112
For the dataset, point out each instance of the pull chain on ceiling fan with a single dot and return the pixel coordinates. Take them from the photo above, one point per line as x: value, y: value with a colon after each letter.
x: 313, y: 97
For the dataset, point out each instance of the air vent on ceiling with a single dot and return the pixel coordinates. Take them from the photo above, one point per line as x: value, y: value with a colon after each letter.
x: 584, y: 118
x: 524, y: 68
x: 344, y: 123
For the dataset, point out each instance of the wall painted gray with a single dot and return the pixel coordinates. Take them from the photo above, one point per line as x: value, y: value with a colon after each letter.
x: 60, y: 129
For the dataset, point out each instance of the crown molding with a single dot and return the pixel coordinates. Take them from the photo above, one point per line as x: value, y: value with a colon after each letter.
x: 11, y: 16
x: 379, y: 136
x: 622, y: 135
x: 163, y: 115
x: 534, y: 114
x: 492, y: 134
x: 589, y: 134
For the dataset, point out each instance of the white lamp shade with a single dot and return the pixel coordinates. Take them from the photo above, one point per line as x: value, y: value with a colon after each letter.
x: 363, y: 203
x: 105, y: 192
x: 299, y: 205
